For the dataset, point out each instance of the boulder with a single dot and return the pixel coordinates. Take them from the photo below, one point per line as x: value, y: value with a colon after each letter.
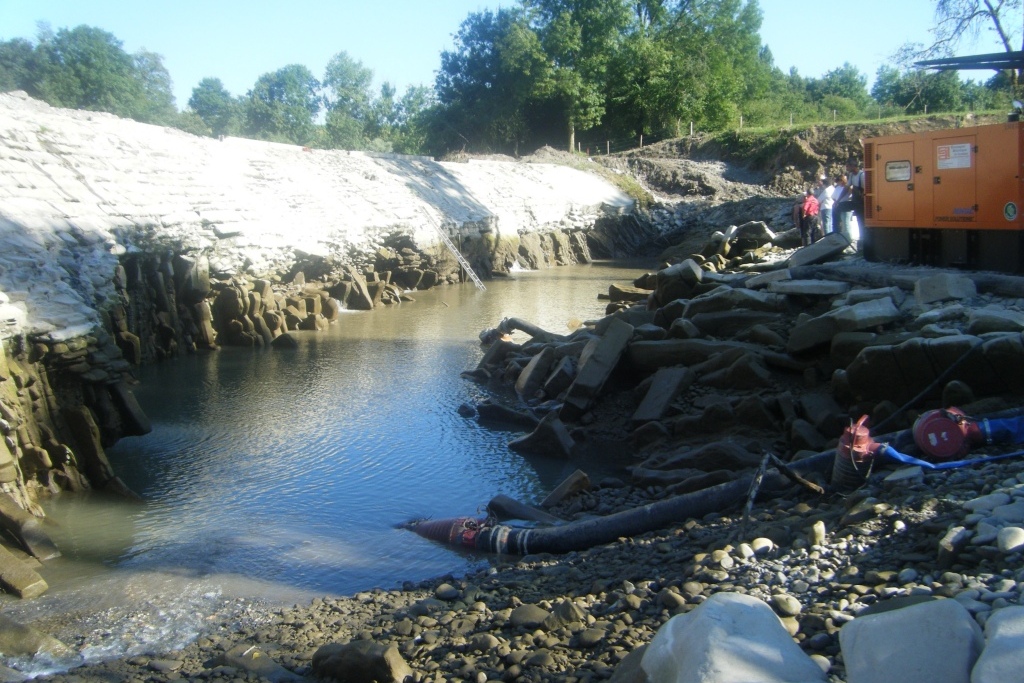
x: 535, y: 373
x: 18, y: 579
x: 665, y: 386
x: 360, y: 662
x: 1000, y: 661
x: 943, y: 287
x: 728, y: 298
x: 936, y: 641
x: 19, y: 640
x: 594, y: 372
x: 823, y: 288
x: 255, y: 661
x: 550, y: 438
x: 829, y: 247
x: 729, y: 638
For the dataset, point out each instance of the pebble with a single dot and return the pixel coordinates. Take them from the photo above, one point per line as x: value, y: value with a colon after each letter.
x: 1011, y: 539
x: 527, y: 621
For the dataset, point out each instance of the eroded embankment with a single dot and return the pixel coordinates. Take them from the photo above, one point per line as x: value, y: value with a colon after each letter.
x: 125, y: 243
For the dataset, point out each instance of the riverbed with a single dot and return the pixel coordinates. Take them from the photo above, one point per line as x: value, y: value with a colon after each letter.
x: 273, y: 476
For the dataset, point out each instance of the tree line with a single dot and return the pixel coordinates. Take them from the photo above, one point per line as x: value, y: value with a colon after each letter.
x: 565, y: 73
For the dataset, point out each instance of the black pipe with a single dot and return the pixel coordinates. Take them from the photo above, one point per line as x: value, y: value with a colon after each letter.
x: 588, y: 533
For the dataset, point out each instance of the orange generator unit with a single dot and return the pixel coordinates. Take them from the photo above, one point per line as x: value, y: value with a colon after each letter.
x: 946, y: 198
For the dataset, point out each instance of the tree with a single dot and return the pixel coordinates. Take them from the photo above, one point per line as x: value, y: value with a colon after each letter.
x: 579, y: 37
x: 917, y: 91
x: 489, y: 86
x: 17, y: 58
x: 846, y: 82
x: 282, y: 105
x: 411, y: 127
x: 347, y: 97
x: 86, y: 68
x: 156, y: 102
x: 213, y: 104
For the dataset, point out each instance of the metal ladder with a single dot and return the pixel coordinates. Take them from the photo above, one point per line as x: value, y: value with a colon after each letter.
x: 443, y: 234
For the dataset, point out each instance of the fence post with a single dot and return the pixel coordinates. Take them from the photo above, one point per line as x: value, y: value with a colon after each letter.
x: 641, y: 140
x: 607, y: 147
x: 790, y: 119
x: 833, y: 116
x: 691, y: 129
x: 741, y: 121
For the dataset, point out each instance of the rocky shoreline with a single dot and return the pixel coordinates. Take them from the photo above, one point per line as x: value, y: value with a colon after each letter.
x: 907, y: 540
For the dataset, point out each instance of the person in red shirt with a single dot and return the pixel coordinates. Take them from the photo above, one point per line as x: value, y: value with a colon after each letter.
x: 810, y: 223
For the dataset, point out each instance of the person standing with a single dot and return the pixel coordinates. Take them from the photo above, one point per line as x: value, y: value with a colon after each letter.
x: 853, y: 200
x: 810, y: 224
x: 825, y: 195
x: 840, y: 220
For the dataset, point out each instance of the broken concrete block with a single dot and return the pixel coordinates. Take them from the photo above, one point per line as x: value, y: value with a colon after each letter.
x: 746, y: 372
x: 862, y: 316
x: 18, y: 579
x: 683, y: 329
x: 592, y: 375
x: 666, y: 385
x: 550, y: 438
x: 822, y: 411
x: 729, y: 323
x: 728, y: 298
x: 943, y: 287
x: 829, y: 247
x: 574, y: 483
x: 628, y: 293
x: 677, y: 281
x: 764, y: 279
x: 535, y: 373
x: 808, y: 287
x: 856, y: 296
x: 560, y: 377
x: 989, y: 320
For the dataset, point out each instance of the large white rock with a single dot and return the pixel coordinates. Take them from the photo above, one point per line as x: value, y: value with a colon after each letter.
x: 1002, y: 660
x: 729, y: 638
x: 930, y: 642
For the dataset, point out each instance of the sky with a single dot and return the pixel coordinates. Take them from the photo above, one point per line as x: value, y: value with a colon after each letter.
x: 401, y: 40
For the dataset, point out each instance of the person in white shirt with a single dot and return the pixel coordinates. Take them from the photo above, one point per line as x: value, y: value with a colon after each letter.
x: 826, y: 195
x: 853, y: 201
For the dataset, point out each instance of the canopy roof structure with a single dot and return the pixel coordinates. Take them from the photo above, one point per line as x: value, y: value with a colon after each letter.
x: 995, y: 60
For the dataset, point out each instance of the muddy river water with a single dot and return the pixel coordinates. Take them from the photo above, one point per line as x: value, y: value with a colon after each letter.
x: 278, y: 475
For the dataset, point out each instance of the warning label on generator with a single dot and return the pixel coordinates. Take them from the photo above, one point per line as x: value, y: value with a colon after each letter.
x: 953, y: 156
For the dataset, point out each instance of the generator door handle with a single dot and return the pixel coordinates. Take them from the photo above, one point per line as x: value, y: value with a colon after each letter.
x: 910, y: 187
x: 937, y: 180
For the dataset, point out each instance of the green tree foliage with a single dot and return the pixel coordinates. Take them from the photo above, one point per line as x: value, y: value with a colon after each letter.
x: 496, y: 75
x: 409, y: 135
x: 282, y: 106
x: 917, y: 91
x: 579, y: 37
x: 87, y: 68
x: 156, y: 104
x: 214, y: 105
x: 17, y: 59
x: 347, y: 97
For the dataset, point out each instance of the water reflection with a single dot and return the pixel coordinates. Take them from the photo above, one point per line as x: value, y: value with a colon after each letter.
x: 284, y: 472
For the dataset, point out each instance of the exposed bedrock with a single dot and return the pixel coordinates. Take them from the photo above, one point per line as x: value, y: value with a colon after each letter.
x: 126, y: 244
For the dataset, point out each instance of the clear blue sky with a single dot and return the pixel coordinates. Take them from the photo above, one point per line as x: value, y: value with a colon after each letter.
x: 401, y: 40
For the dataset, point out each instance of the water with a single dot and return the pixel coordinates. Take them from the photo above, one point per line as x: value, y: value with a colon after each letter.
x: 280, y: 475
